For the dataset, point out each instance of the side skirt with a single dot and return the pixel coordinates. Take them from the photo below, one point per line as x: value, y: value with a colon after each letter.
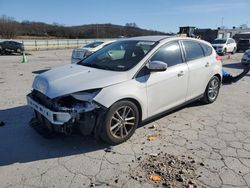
x: 162, y: 114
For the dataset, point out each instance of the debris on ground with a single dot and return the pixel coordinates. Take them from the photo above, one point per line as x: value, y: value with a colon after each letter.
x: 155, y: 178
x: 152, y: 137
x: 165, y: 170
x: 153, y: 154
x: 153, y: 127
x: 2, y: 124
x: 109, y: 149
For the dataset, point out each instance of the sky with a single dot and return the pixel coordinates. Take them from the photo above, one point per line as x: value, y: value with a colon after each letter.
x: 161, y: 15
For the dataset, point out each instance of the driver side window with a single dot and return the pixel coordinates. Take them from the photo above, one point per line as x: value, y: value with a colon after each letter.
x: 169, y: 53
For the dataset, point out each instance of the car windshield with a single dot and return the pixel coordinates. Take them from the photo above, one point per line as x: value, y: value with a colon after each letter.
x: 119, y: 56
x: 219, y: 41
x: 93, y: 44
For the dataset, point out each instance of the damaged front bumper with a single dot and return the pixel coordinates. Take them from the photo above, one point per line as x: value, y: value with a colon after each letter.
x: 65, y: 119
x: 57, y: 118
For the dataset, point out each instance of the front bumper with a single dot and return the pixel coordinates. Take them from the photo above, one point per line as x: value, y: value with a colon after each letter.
x: 57, y: 118
x: 219, y: 50
x: 67, y: 120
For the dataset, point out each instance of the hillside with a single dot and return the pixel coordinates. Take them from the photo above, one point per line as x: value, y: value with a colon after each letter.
x: 9, y: 28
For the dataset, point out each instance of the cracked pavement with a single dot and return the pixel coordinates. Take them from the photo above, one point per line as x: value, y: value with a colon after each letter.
x: 217, y: 135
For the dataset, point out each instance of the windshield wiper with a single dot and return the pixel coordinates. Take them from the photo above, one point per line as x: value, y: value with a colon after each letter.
x: 98, y: 66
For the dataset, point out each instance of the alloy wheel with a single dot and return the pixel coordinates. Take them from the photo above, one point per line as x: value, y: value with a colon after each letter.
x: 213, y: 89
x: 122, y: 122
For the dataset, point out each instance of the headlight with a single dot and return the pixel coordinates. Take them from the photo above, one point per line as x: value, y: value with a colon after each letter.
x: 40, y: 84
x: 77, y: 102
x: 87, y: 95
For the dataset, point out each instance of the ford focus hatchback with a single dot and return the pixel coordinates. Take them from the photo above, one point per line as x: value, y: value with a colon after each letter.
x: 125, y: 83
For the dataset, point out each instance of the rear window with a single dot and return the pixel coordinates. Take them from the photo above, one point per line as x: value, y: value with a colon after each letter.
x: 193, y: 50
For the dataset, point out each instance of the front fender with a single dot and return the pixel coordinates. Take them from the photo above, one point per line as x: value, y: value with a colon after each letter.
x: 129, y: 89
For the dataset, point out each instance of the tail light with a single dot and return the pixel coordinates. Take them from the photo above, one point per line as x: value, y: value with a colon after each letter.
x: 218, y: 58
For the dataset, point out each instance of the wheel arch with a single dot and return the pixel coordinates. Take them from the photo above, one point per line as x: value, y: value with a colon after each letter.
x: 219, y: 76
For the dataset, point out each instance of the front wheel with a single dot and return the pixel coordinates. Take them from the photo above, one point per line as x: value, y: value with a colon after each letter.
x: 120, y: 122
x: 234, y: 50
x: 212, y: 90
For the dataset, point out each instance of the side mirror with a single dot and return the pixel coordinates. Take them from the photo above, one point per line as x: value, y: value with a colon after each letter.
x: 157, y: 66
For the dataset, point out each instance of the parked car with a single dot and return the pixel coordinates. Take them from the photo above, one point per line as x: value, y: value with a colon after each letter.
x: 246, y: 57
x: 124, y: 84
x: 80, y: 53
x: 243, y: 44
x: 223, y: 46
x: 11, y: 46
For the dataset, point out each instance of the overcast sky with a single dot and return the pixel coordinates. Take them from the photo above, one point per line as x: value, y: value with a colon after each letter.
x: 162, y: 15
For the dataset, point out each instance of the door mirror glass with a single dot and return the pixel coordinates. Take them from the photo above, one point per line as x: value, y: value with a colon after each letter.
x: 157, y: 66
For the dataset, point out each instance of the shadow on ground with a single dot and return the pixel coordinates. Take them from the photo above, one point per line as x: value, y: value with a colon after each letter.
x: 20, y: 143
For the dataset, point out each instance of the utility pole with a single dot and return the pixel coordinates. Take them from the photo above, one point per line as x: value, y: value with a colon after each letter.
x: 222, y: 22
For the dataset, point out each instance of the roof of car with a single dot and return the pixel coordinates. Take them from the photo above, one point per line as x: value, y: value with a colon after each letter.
x: 153, y: 38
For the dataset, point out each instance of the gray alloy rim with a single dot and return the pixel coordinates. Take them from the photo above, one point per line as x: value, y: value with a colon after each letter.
x: 213, y: 89
x: 122, y: 122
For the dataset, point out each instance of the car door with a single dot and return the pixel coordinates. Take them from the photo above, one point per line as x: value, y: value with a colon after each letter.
x: 167, y: 89
x: 199, y: 65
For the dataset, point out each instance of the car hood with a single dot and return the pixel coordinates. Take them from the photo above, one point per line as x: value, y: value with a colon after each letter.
x: 73, y: 78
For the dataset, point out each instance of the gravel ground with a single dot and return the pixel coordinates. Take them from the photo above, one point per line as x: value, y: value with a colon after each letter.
x: 211, y: 141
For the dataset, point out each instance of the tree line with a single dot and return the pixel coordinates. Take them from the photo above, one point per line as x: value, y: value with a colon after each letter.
x: 10, y: 28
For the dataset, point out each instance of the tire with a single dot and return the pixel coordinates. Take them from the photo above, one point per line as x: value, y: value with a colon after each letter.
x: 212, y: 90
x: 115, y: 129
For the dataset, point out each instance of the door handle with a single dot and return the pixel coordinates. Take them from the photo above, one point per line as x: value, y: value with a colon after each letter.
x: 181, y: 73
x: 207, y: 64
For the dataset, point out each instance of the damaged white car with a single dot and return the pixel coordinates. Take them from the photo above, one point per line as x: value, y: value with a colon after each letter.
x: 130, y: 81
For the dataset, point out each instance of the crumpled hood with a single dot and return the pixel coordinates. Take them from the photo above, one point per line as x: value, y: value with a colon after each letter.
x: 73, y: 78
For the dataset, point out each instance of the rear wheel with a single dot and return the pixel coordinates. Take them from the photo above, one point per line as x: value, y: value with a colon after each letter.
x: 18, y: 50
x: 212, y: 90
x: 120, y: 122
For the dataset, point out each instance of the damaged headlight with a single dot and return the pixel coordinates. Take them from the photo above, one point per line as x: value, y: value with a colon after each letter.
x: 78, y: 102
x: 86, y: 95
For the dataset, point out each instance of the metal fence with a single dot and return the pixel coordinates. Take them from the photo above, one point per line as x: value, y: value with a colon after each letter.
x: 55, y: 43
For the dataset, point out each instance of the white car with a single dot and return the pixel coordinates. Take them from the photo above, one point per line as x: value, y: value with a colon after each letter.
x: 223, y: 46
x: 124, y: 84
x: 80, y: 53
x: 246, y: 57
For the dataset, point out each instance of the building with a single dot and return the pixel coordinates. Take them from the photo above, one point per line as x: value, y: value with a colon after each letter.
x: 235, y: 33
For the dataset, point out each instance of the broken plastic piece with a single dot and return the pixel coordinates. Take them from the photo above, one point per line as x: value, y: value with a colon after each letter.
x: 152, y: 137
x: 155, y: 178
